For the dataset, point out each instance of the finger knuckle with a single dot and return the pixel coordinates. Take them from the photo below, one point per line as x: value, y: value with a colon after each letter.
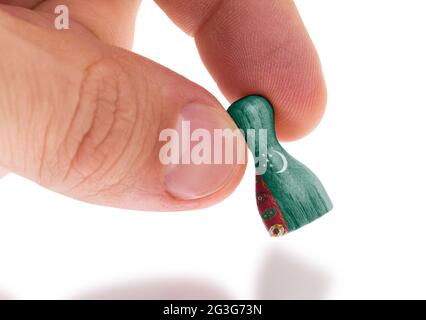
x: 98, y: 139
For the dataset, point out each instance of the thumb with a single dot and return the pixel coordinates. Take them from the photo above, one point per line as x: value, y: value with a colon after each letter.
x: 85, y: 119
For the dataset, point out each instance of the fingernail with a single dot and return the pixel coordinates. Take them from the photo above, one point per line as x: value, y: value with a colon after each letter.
x: 195, y: 177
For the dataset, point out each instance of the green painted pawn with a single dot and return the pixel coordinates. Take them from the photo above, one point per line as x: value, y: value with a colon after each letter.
x: 288, y: 194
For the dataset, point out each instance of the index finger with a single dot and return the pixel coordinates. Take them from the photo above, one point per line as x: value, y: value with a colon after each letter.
x: 258, y: 47
x: 112, y: 21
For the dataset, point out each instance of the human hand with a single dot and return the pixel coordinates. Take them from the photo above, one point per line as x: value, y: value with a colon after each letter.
x: 81, y: 115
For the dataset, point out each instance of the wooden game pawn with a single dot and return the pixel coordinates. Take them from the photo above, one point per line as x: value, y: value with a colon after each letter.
x: 288, y: 194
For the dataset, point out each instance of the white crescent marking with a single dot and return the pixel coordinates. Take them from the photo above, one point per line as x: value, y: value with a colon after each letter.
x: 284, y: 160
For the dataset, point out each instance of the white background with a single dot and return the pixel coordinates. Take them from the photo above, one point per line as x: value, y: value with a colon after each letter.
x: 369, y: 151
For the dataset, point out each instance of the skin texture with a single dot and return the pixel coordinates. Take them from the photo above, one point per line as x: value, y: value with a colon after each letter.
x: 81, y: 115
